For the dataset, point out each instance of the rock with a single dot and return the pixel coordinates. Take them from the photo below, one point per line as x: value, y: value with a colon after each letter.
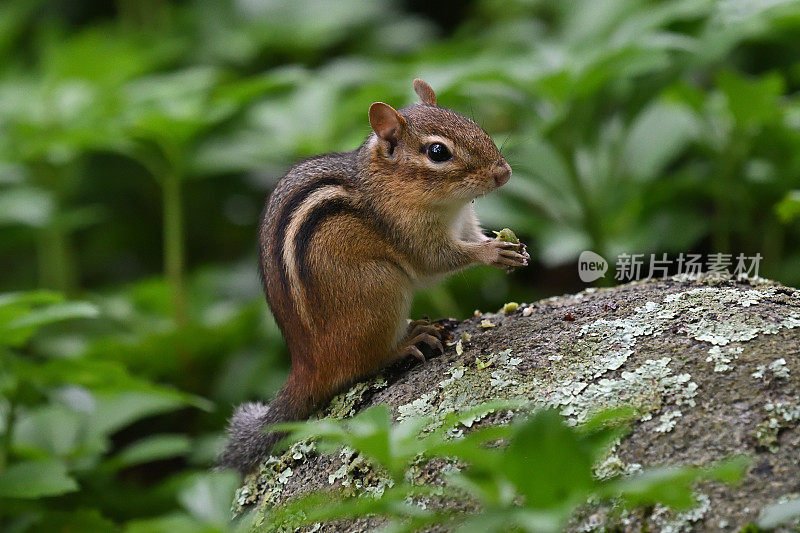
x: 712, y: 365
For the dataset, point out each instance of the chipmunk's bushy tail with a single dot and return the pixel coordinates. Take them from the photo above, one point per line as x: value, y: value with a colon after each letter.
x: 248, y: 443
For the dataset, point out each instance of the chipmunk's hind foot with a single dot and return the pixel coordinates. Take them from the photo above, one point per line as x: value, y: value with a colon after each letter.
x: 426, y: 335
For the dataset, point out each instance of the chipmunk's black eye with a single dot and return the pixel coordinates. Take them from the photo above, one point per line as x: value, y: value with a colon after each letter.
x: 438, y: 153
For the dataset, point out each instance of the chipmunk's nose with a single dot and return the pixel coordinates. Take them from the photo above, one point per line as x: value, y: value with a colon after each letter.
x: 501, y: 172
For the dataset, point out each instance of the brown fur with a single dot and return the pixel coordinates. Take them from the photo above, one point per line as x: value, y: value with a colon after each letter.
x: 345, y: 238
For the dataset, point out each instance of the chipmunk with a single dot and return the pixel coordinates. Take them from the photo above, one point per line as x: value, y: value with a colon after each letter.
x: 345, y: 238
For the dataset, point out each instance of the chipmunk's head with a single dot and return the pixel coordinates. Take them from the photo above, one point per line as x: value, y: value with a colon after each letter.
x: 435, y: 153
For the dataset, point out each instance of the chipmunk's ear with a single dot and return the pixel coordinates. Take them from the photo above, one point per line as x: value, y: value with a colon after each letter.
x: 425, y: 92
x: 386, y: 122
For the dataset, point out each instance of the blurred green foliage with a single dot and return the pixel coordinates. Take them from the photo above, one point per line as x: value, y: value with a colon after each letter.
x: 138, y: 140
x: 534, y: 482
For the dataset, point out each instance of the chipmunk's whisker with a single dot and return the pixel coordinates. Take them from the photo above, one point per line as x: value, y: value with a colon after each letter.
x: 504, y: 143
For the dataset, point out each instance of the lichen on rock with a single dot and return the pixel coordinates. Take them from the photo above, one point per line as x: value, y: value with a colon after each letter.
x: 710, y: 365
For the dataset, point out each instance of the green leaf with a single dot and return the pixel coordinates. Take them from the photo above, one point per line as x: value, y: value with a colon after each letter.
x: 104, y: 55
x: 53, y: 313
x: 393, y: 446
x: 175, y: 522
x: 173, y: 109
x: 672, y: 486
x: 15, y: 331
x: 27, y: 206
x: 74, y: 520
x: 657, y: 136
x: 117, y: 410
x: 326, y: 505
x: 208, y: 497
x: 504, y: 520
x: 368, y: 431
x: 753, y: 102
x: 788, y: 209
x: 28, y: 298
x: 548, y: 462
x: 35, y: 479
x: 57, y: 431
x: 613, y: 417
x: 728, y: 471
x: 152, y: 449
x: 98, y: 376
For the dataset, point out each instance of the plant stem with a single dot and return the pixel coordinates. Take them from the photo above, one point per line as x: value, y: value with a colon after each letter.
x: 55, y: 259
x: 55, y: 265
x: 724, y: 190
x: 773, y: 248
x: 174, y: 266
x: 591, y: 221
x: 8, y: 435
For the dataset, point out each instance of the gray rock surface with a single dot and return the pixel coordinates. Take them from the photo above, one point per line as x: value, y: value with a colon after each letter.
x: 712, y: 364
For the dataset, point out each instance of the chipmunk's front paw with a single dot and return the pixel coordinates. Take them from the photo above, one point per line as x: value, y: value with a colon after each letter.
x: 422, y: 333
x: 505, y: 255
